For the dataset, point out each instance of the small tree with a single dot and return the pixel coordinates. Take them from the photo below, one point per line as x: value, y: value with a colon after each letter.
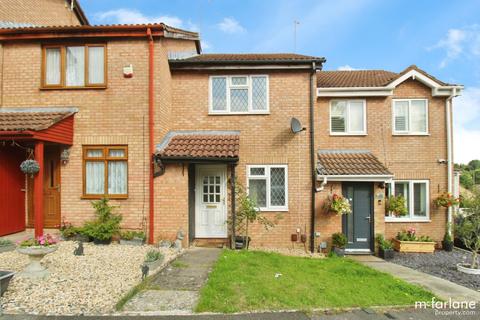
x: 248, y: 213
x: 468, y: 228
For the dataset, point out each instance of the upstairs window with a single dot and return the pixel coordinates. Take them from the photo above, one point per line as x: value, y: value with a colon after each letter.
x: 74, y: 66
x: 410, y: 116
x: 239, y: 94
x: 348, y: 117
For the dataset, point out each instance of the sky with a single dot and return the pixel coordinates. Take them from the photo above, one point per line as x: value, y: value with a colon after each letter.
x: 441, y: 37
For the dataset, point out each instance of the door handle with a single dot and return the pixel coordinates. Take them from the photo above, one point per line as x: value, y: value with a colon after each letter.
x: 368, y: 218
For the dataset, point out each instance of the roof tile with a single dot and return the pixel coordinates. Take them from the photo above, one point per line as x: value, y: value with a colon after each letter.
x: 201, y: 146
x: 341, y: 162
x: 247, y: 57
x: 356, y: 78
x: 35, y: 120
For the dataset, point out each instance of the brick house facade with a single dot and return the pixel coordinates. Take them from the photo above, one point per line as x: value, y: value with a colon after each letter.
x: 216, y: 120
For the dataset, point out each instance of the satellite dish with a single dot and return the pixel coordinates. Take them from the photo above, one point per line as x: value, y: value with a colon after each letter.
x: 296, y: 125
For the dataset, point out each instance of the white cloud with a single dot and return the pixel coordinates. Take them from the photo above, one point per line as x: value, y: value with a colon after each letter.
x: 346, y: 68
x: 230, y: 25
x: 466, y: 114
x: 133, y: 16
x: 460, y: 42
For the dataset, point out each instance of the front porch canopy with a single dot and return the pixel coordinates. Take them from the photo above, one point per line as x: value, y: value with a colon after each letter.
x: 199, y: 146
x: 350, y: 165
x: 37, y: 126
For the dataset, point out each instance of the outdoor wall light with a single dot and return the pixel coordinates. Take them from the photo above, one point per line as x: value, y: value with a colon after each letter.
x: 65, y: 156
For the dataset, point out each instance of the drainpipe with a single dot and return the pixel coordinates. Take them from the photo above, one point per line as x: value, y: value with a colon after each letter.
x: 150, y: 137
x: 312, y: 157
x: 448, y: 117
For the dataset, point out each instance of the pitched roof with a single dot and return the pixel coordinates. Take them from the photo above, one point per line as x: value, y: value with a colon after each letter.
x: 365, y: 78
x: 349, y: 163
x: 354, y: 78
x: 228, y: 58
x: 200, y: 145
x: 33, y: 119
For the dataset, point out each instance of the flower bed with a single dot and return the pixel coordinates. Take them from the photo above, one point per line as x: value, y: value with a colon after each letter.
x: 414, y: 246
x: 89, y: 284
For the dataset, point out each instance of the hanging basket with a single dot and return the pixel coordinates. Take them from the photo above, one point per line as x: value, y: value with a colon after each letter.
x: 30, y: 167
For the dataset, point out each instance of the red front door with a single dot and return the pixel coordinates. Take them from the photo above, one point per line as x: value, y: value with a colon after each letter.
x: 12, y: 190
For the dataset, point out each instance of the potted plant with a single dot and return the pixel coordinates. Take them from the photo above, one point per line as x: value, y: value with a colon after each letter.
x: 107, y: 224
x: 468, y: 230
x: 446, y: 200
x: 30, y: 167
x: 36, y: 249
x: 397, y: 206
x: 133, y: 238
x: 385, y: 247
x: 447, y: 243
x: 153, y: 259
x: 338, y: 204
x: 6, y: 245
x: 339, y: 241
x: 72, y: 233
x: 408, y: 241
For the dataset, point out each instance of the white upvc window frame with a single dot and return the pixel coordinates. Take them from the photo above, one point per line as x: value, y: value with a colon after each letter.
x: 410, y: 216
x: 347, y: 118
x: 266, y: 177
x: 409, y: 120
x: 230, y: 86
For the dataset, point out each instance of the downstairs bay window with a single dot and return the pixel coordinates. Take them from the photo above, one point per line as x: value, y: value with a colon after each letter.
x: 416, y: 194
x: 105, y: 171
x: 268, y: 186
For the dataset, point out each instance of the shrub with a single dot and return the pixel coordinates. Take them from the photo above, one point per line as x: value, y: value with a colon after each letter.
x: 68, y: 230
x: 153, y: 255
x: 130, y: 235
x: 397, y: 205
x: 382, y: 243
x: 5, y: 242
x: 339, y: 240
x: 410, y: 235
x: 106, y: 225
x: 468, y: 228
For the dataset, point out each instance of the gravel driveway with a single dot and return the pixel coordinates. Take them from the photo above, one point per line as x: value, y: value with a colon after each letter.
x: 441, y: 264
x: 89, y: 284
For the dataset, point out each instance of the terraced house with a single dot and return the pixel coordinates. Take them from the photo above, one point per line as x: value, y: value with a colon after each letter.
x: 137, y: 114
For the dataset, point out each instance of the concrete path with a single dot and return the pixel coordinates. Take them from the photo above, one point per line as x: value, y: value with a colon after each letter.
x: 442, y: 288
x: 176, y: 288
x: 359, y: 314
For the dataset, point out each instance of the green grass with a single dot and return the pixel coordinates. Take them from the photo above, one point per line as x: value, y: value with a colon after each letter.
x: 245, y: 281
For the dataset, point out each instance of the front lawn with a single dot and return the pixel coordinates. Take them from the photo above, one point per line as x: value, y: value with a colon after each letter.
x: 245, y: 280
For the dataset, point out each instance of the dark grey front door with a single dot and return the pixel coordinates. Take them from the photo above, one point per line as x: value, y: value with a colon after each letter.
x: 358, y: 224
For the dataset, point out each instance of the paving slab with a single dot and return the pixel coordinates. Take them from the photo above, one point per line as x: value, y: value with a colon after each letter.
x: 176, y: 288
x: 442, y: 288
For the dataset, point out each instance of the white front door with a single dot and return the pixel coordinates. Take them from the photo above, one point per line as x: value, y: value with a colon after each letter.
x: 211, y: 201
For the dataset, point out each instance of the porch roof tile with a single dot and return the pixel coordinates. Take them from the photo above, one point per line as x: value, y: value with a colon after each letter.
x: 349, y: 162
x: 33, y: 119
x: 200, y: 145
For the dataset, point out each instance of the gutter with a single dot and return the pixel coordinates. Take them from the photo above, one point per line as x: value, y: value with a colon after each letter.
x: 151, y: 147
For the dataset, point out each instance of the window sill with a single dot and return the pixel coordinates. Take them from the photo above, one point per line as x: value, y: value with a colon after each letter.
x: 348, y: 134
x: 95, y: 197
x: 273, y: 210
x: 410, y: 220
x: 411, y: 134
x: 73, y: 88
x: 238, y: 113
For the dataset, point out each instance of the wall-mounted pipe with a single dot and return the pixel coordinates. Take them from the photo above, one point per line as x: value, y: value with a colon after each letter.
x: 448, y: 120
x: 151, y: 137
